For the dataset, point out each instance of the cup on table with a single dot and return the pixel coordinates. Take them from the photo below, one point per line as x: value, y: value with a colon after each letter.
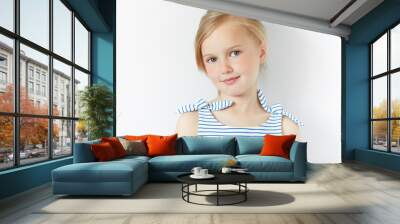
x: 196, y: 170
x: 226, y: 170
x: 203, y: 172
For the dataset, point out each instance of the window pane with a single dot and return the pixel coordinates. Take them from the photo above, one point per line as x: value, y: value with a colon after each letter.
x: 81, y: 45
x: 395, y: 136
x: 379, y: 99
x: 6, y: 142
x: 34, y: 97
x: 35, y: 21
x: 62, y: 137
x: 33, y: 140
x: 395, y: 47
x: 379, y: 55
x: 395, y: 94
x: 6, y: 74
x: 379, y: 135
x: 81, y: 131
x: 81, y: 81
x: 7, y: 14
x: 62, y: 29
x: 62, y: 89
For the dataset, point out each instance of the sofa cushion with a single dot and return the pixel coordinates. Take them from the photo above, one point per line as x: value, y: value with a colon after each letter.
x: 111, y: 171
x: 116, y: 145
x: 195, y: 145
x: 257, y: 163
x: 103, y: 151
x: 134, y: 147
x: 249, y: 145
x: 277, y: 145
x: 185, y: 163
x: 161, y: 145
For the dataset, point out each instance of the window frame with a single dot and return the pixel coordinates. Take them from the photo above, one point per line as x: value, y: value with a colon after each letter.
x: 388, y: 74
x: 15, y: 72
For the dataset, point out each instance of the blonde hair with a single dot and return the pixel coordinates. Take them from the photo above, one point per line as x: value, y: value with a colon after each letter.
x: 212, y: 20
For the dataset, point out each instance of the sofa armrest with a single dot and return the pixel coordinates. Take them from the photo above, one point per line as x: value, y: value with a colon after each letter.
x: 83, y: 152
x: 298, y: 155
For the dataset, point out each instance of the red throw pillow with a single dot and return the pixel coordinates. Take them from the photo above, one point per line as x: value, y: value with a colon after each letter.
x: 161, y: 145
x: 277, y: 145
x: 103, y: 151
x: 116, y: 145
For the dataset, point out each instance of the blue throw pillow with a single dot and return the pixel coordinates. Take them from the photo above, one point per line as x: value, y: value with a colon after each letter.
x: 193, y: 145
x: 249, y: 145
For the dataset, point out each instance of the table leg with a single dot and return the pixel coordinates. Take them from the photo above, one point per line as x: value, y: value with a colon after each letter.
x: 245, y: 193
x: 217, y: 194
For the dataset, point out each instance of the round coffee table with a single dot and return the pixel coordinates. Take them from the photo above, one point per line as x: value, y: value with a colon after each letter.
x: 238, y: 179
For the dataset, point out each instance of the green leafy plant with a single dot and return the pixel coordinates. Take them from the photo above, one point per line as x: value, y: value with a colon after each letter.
x: 96, y: 102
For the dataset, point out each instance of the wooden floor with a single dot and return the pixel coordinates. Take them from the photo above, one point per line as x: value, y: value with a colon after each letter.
x: 378, y: 188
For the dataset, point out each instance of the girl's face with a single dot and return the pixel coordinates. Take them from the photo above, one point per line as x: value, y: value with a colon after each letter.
x: 232, y: 58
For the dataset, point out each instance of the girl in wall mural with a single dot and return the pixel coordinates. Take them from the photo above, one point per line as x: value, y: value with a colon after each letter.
x: 231, y: 51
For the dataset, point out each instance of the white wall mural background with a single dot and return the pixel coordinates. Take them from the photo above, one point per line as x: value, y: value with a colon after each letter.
x: 156, y: 72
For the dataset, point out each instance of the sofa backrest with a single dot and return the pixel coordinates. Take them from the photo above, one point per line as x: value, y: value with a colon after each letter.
x: 192, y: 145
x: 249, y: 145
x: 83, y: 152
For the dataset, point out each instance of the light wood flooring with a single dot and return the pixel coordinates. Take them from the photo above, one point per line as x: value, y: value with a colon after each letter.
x: 378, y: 188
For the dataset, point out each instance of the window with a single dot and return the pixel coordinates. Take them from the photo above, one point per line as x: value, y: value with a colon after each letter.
x: 3, y: 61
x: 81, y: 45
x: 43, y: 77
x: 38, y: 89
x: 3, y: 78
x: 3, y: 72
x: 62, y: 29
x: 44, y: 91
x: 7, y: 14
x: 37, y: 75
x: 30, y: 72
x: 35, y: 21
x: 45, y: 131
x: 385, y: 91
x: 62, y: 75
x: 30, y: 87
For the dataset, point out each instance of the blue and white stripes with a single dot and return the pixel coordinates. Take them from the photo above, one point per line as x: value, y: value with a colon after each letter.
x: 208, y: 125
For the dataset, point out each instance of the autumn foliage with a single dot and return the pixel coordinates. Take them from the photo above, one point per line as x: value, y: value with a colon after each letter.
x: 380, y: 127
x: 33, y: 131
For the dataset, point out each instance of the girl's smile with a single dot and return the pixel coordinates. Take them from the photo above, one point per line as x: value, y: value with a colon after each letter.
x: 231, y: 81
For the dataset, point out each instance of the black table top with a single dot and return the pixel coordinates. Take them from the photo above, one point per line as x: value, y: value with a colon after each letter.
x: 220, y: 178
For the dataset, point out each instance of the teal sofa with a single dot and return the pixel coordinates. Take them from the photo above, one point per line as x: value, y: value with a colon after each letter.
x: 125, y: 176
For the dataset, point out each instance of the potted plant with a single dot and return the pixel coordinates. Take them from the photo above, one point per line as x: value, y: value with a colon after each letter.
x: 96, y: 102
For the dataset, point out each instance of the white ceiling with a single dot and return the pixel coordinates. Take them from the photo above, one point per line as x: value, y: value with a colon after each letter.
x: 316, y: 15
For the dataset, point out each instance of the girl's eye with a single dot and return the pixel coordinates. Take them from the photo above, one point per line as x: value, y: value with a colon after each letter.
x: 211, y: 59
x: 235, y: 53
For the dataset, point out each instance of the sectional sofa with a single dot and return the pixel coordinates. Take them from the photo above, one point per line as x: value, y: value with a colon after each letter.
x: 126, y: 175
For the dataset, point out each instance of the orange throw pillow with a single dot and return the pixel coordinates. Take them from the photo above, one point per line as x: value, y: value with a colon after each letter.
x: 135, y: 138
x: 103, y: 151
x: 161, y: 145
x: 116, y: 145
x: 277, y: 145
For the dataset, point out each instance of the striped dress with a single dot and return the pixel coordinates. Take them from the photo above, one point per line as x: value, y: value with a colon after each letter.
x: 208, y: 125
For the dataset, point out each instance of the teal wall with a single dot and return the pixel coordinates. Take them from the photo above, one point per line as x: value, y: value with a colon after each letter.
x: 356, y: 73
x: 24, y: 178
x: 99, y: 16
